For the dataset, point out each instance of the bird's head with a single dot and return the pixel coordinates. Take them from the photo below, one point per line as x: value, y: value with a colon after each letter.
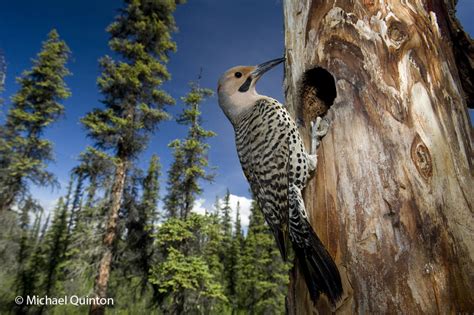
x: 236, y: 88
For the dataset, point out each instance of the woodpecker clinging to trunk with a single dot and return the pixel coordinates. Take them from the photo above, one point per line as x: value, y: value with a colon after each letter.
x: 277, y: 167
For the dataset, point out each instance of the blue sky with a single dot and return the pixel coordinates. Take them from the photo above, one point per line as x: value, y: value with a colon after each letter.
x: 213, y: 34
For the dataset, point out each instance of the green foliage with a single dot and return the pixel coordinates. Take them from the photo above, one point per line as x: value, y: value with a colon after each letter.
x: 174, y: 199
x: 26, y: 278
x: 215, y: 265
x: 178, y: 263
x: 23, y: 153
x: 190, y: 157
x: 151, y: 188
x: 95, y: 171
x: 264, y: 274
x: 185, y: 277
x: 188, y: 276
x: 141, y: 36
x: 226, y: 246
x: 55, y: 245
x: 226, y: 218
x: 141, y: 219
x: 96, y: 166
x: 235, y: 263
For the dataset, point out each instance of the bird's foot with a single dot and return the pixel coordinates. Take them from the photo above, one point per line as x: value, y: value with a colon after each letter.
x: 319, y: 129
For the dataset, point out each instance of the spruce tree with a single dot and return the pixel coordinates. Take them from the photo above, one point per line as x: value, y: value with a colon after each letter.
x: 44, y: 228
x: 264, y: 274
x: 217, y: 207
x: 216, y: 268
x: 238, y: 233
x: 189, y: 166
x: 151, y: 189
x: 226, y: 211
x: 24, y: 154
x: 194, y: 146
x: 124, y: 250
x: 37, y: 239
x: 26, y: 280
x: 97, y: 167
x: 235, y: 262
x: 226, y: 244
x: 76, y: 205
x: 141, y: 226
x: 36, y: 259
x: 174, y: 199
x: 36, y: 228
x: 55, y: 242
x: 185, y: 277
x: 94, y: 170
x: 135, y: 253
x: 134, y: 104
x: 64, y: 270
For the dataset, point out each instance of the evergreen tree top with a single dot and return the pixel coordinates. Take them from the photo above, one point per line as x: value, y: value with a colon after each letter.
x: 190, y: 156
x: 238, y: 224
x: 226, y: 217
x: 141, y: 39
x: 37, y: 103
x: 143, y: 29
x: 151, y: 184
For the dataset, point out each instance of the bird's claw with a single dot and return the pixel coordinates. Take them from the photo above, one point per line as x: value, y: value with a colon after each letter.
x: 319, y: 129
x: 322, y: 127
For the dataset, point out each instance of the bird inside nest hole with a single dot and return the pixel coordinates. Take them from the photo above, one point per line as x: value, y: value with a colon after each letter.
x: 317, y: 94
x: 312, y: 105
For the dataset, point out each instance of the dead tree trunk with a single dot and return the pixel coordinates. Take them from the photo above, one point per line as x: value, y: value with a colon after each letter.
x: 110, y: 236
x: 393, y: 194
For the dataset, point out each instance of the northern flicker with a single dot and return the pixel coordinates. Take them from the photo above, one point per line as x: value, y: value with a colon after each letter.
x: 277, y: 166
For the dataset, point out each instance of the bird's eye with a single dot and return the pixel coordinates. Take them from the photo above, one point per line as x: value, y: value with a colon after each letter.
x: 238, y: 74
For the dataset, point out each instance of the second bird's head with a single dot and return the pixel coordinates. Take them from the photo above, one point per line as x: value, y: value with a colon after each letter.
x: 236, y: 88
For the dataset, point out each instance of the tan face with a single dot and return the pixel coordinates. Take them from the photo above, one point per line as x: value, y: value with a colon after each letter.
x: 236, y: 91
x: 234, y: 78
x: 236, y: 88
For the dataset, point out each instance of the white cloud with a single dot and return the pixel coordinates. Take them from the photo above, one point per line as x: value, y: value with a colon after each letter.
x: 245, y: 204
x: 200, y: 206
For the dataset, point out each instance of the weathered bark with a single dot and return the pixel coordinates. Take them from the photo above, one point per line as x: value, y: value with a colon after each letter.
x: 102, y: 280
x: 393, y: 194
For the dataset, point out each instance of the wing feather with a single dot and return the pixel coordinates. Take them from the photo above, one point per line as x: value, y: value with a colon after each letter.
x: 266, y: 165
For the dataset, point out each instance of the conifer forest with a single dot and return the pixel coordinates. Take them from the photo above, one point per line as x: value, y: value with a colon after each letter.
x: 116, y: 233
x: 141, y: 219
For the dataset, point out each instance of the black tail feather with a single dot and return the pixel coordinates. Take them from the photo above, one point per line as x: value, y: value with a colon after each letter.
x: 281, y: 240
x: 318, y: 268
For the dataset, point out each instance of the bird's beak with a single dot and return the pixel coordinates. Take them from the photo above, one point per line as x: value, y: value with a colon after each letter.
x: 264, y: 67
